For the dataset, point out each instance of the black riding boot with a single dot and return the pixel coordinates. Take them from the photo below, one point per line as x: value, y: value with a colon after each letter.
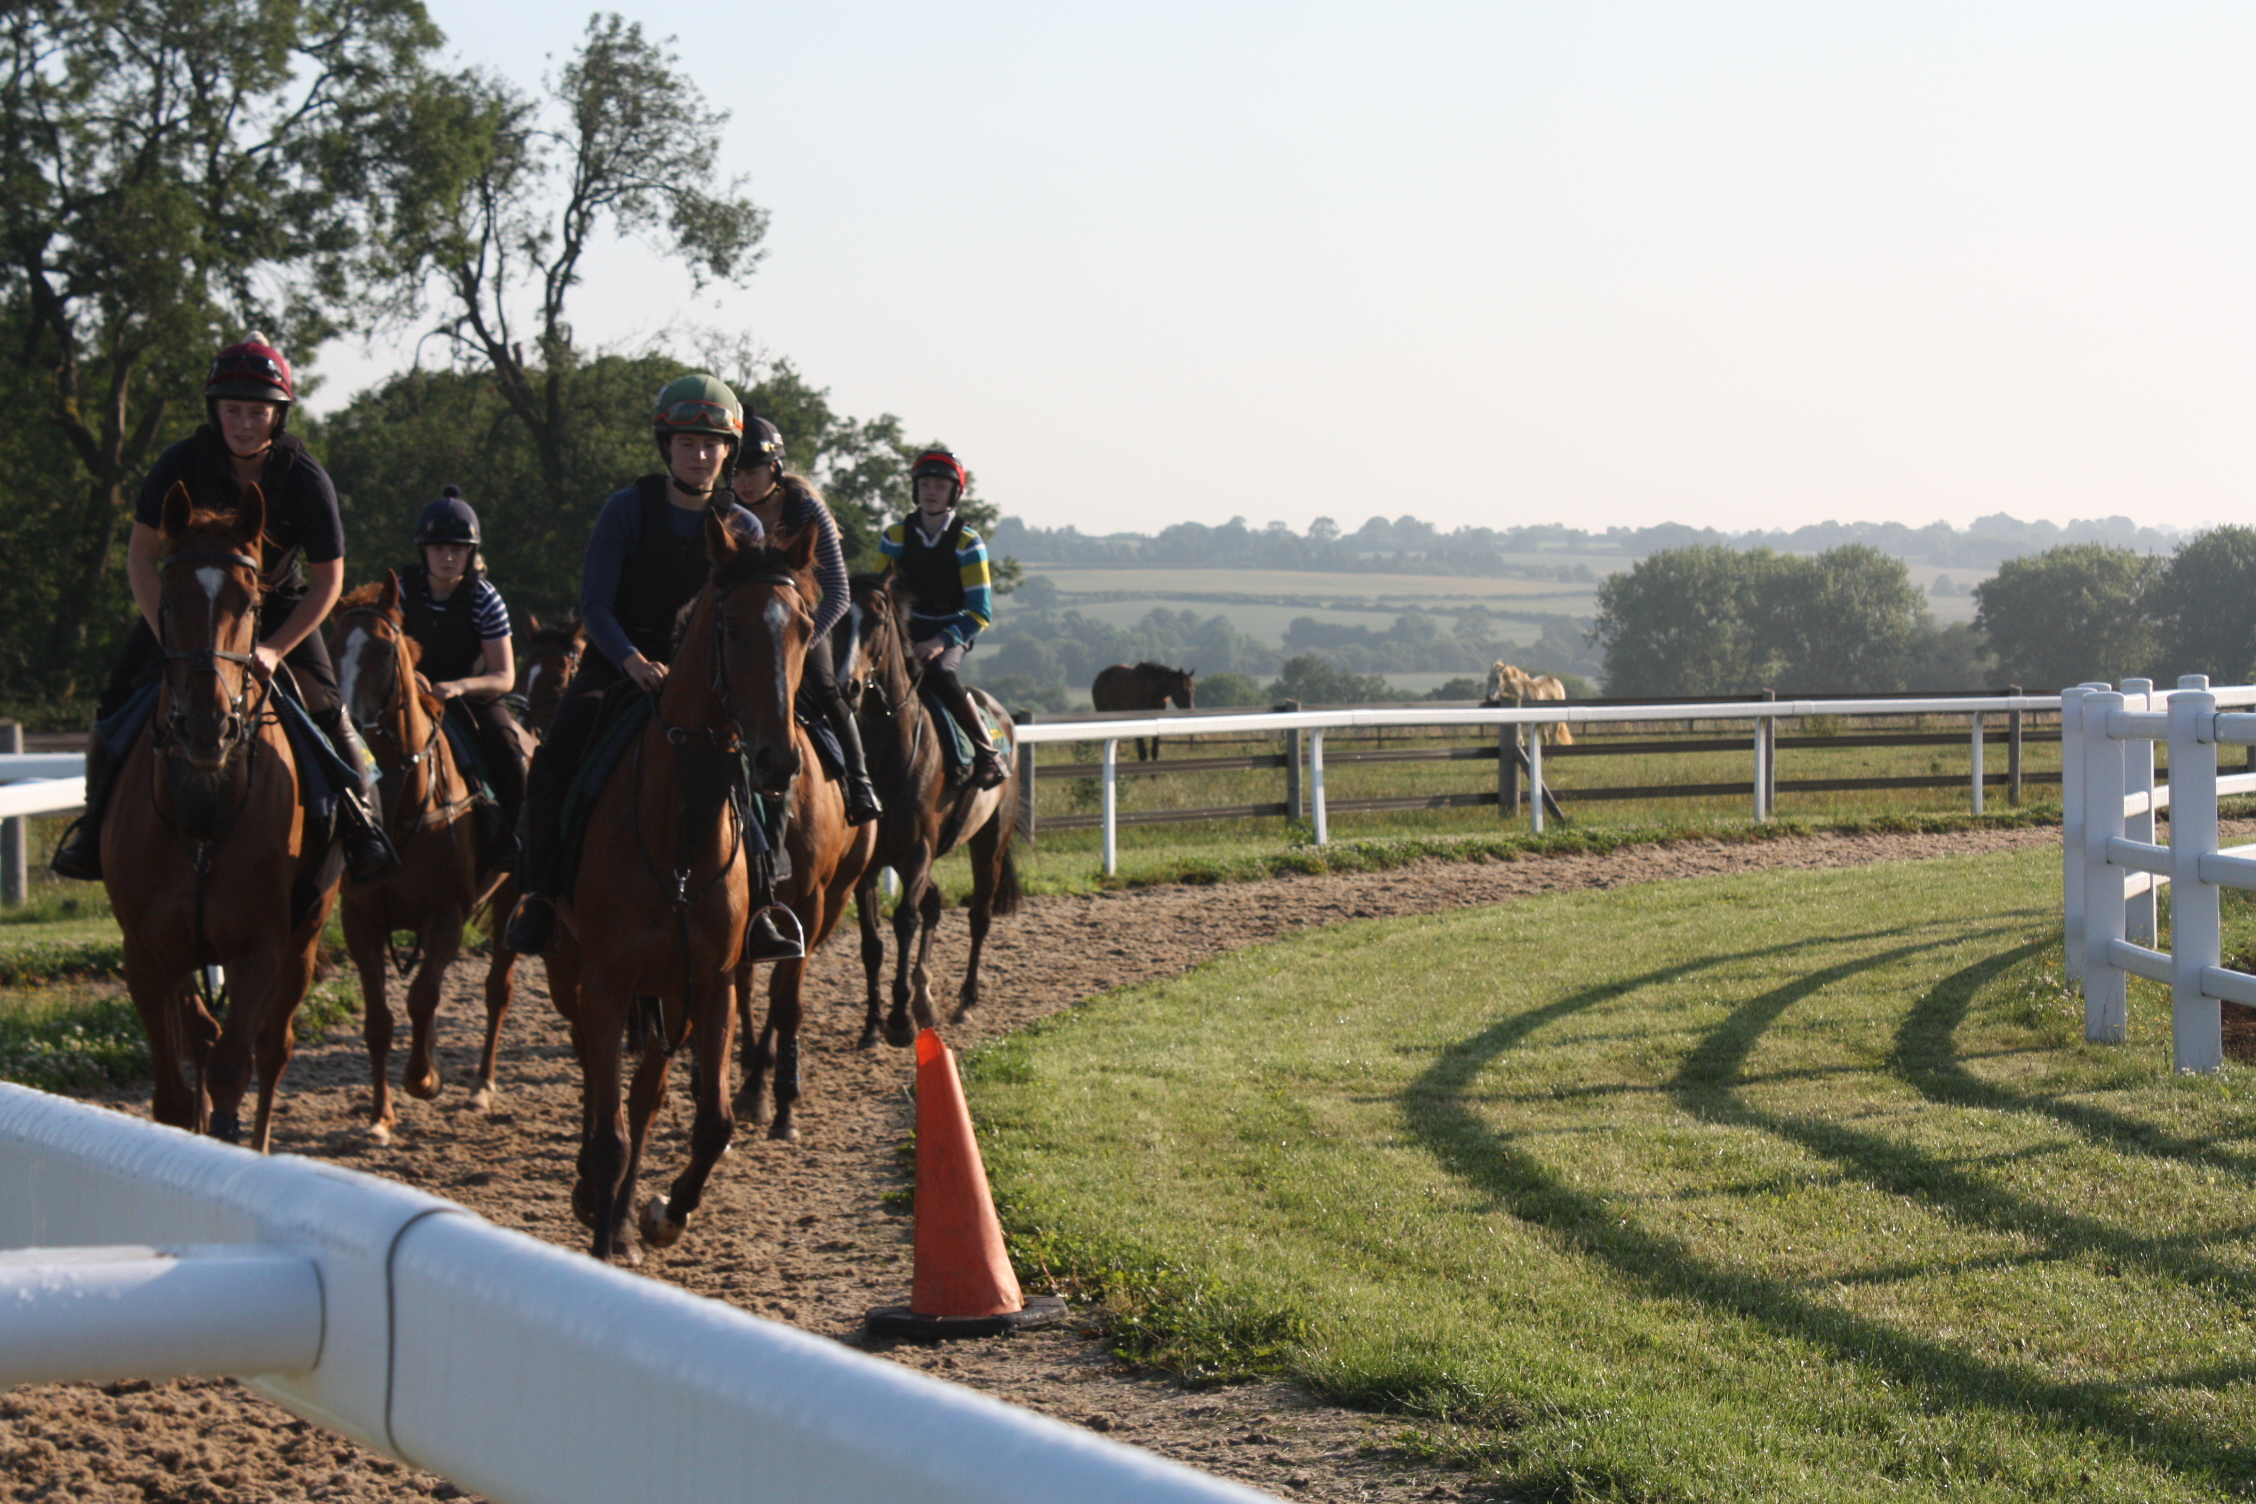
x: 368, y: 851
x: 79, y: 853
x: 986, y: 770
x: 532, y: 929
x: 862, y: 803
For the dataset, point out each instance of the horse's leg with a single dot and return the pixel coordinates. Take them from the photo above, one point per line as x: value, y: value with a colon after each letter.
x: 928, y: 917
x: 986, y: 869
x: 442, y: 942
x: 909, y: 986
x: 500, y: 979
x: 254, y: 978
x: 866, y: 901
x: 752, y: 1092
x: 364, y: 942
x: 277, y: 1041
x: 665, y: 1217
x: 783, y: 1029
x: 603, y: 1137
x: 645, y: 1095
x: 162, y: 1002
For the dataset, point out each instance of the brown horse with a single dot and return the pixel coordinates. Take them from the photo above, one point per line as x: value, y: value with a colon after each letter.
x: 653, y: 927
x: 1506, y: 680
x: 547, y: 657
x: 1142, y: 686
x: 924, y: 819
x: 429, y: 808
x: 214, y: 864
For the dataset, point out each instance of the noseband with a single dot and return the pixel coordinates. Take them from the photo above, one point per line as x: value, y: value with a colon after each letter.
x: 208, y: 659
x: 732, y: 740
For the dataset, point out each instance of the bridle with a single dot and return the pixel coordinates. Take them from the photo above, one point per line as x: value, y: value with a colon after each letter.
x: 380, y: 726
x: 530, y: 710
x: 207, y: 659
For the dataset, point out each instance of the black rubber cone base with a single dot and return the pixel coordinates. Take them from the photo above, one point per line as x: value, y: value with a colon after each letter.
x: 900, y: 1321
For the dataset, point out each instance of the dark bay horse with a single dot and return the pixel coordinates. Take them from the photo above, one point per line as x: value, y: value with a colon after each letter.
x: 653, y: 927
x: 206, y: 853
x: 924, y: 820
x: 1142, y: 686
x: 429, y: 809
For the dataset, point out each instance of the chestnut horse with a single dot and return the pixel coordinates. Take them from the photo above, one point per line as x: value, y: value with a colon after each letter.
x: 429, y: 808
x: 653, y: 927
x: 1510, y: 679
x: 924, y: 819
x: 214, y: 865
x: 547, y: 657
x: 1142, y: 686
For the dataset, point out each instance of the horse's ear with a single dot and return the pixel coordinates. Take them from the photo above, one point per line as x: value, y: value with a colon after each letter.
x: 250, y: 515
x: 721, y: 540
x: 176, y: 510
x: 532, y: 623
x: 389, y: 600
x: 799, y: 549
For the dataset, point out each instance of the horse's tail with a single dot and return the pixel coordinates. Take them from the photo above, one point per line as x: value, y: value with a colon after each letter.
x: 1007, y: 889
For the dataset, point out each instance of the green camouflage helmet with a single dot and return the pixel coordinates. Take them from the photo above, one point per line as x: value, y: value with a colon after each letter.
x: 697, y: 404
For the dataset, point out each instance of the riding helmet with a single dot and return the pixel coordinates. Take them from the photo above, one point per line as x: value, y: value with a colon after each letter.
x: 763, y: 444
x: 696, y: 404
x: 447, y: 520
x: 938, y: 461
x: 250, y: 371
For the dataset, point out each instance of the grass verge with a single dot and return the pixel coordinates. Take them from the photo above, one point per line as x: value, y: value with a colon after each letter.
x: 1785, y: 1186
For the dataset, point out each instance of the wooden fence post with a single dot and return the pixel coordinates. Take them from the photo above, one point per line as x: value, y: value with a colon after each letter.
x: 1025, y: 777
x: 1508, y: 772
x: 1296, y: 798
x: 12, y: 838
x: 2013, y: 752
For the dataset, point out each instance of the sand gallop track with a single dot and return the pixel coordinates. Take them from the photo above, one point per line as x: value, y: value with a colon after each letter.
x: 796, y: 1232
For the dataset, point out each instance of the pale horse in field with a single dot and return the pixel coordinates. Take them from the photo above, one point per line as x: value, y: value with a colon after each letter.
x: 1508, y: 681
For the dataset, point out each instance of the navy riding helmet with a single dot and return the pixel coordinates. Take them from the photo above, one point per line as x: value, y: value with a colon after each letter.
x: 447, y: 520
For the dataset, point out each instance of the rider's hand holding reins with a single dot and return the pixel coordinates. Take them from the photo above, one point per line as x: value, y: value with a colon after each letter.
x: 649, y: 677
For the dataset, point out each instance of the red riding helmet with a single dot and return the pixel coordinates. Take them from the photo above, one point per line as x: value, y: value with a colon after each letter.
x: 252, y: 371
x: 941, y: 463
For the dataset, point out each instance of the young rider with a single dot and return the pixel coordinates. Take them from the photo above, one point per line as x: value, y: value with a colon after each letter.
x: 645, y: 561
x: 247, y: 400
x: 461, y: 622
x: 952, y: 597
x: 786, y: 503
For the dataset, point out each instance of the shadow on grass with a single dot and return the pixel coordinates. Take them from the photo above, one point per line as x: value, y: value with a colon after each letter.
x: 1438, y: 1112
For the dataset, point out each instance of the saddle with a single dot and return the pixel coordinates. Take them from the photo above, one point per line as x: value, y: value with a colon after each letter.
x: 955, y: 742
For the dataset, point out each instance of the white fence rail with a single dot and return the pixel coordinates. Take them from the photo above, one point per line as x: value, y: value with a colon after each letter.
x: 2112, y: 867
x: 1765, y: 713
x: 516, y: 1369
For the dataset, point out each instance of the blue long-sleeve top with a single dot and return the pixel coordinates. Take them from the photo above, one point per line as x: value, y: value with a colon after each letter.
x: 800, y: 507
x: 618, y: 529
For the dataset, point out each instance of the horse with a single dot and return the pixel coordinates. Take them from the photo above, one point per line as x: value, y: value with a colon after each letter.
x: 429, y: 807
x: 1142, y: 686
x: 1508, y: 679
x: 547, y: 657
x: 924, y: 819
x: 216, y: 865
x: 652, y: 933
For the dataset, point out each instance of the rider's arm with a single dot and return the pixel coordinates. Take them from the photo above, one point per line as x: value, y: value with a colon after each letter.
x: 144, y: 552
x: 617, y: 530
x: 492, y: 619
x: 325, y: 581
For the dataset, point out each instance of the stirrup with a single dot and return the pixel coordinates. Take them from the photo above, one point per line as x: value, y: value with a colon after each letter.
x: 773, y: 934
x: 862, y: 803
x: 988, y: 771
x: 369, y: 854
x: 78, y: 854
x: 532, y: 929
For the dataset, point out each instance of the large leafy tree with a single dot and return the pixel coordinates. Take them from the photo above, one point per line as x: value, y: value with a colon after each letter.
x: 162, y: 186
x: 2069, y: 614
x: 2204, y: 608
x: 1677, y: 623
x: 491, y: 202
x: 1846, y: 621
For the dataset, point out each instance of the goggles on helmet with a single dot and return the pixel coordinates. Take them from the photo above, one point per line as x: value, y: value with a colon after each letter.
x: 234, y: 364
x: 692, y: 415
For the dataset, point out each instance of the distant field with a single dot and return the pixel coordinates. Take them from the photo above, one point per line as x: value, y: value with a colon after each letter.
x: 1553, y: 595
x: 1265, y: 621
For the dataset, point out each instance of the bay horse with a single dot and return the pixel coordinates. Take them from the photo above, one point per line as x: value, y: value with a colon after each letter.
x: 923, y: 821
x: 215, y: 865
x: 547, y: 657
x: 429, y: 809
x: 1509, y: 679
x: 652, y: 934
x: 1142, y: 686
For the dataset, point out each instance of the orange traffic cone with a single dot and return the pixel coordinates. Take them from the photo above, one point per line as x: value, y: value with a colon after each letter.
x: 964, y: 1286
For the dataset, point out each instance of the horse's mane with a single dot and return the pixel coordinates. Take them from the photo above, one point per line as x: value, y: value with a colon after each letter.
x: 360, y: 595
x: 218, y: 520
x: 371, y: 597
x: 741, y: 565
x: 1147, y: 666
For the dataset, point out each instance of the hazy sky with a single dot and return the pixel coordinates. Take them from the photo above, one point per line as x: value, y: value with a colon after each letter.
x: 1735, y: 264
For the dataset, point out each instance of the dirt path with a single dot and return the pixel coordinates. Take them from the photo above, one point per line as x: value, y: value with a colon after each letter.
x: 796, y: 1232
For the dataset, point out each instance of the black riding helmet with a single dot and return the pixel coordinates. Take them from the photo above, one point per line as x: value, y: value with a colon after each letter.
x: 450, y: 520
x: 763, y: 445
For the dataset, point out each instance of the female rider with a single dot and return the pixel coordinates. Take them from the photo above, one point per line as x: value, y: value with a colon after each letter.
x: 952, y: 596
x: 461, y: 623
x: 786, y: 503
x: 247, y: 399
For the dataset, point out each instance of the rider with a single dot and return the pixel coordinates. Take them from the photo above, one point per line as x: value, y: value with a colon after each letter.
x: 461, y: 623
x: 247, y: 400
x: 785, y: 503
x: 944, y: 565
x: 646, y: 560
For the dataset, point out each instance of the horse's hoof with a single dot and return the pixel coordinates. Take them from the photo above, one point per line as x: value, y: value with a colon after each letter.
x: 423, y: 1087
x: 750, y: 1107
x: 380, y: 1134
x: 658, y: 1230
x: 869, y: 1038
x: 583, y: 1204
x: 227, y: 1127
x: 783, y: 1128
x: 899, y: 1032
x: 482, y: 1099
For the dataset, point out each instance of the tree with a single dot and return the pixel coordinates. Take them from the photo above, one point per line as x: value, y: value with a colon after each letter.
x: 1313, y: 681
x: 2069, y: 614
x: 1844, y: 622
x: 1675, y: 623
x: 164, y: 184
x: 486, y: 204
x: 2204, y: 609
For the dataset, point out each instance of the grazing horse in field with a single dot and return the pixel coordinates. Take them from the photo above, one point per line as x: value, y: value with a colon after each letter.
x: 1142, y: 686
x: 653, y: 926
x: 207, y: 854
x: 429, y: 809
x: 923, y: 819
x: 1508, y: 680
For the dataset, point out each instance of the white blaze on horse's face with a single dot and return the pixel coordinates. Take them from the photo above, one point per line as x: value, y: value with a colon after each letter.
x: 532, y: 677
x: 213, y: 579
x: 778, y: 616
x: 348, y: 664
